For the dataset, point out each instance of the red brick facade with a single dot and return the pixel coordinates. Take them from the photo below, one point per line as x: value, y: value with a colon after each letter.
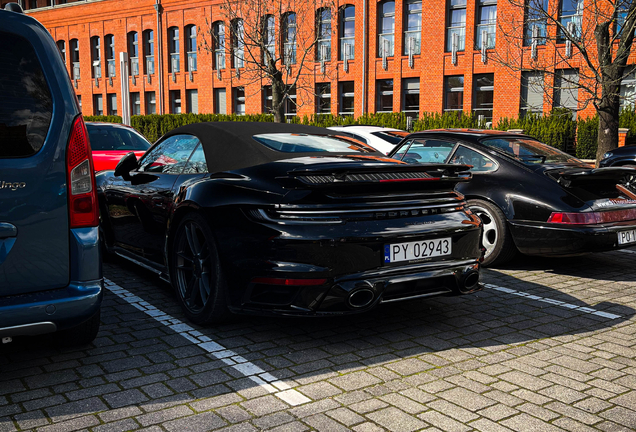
x: 82, y: 20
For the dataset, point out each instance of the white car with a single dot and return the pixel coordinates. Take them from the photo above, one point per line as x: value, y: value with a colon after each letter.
x: 381, y: 138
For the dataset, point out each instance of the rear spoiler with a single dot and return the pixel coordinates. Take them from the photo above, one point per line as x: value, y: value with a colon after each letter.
x: 413, y: 173
x: 572, y: 177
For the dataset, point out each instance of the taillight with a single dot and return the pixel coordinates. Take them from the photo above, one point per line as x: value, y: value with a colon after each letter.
x: 590, y: 218
x: 83, y: 210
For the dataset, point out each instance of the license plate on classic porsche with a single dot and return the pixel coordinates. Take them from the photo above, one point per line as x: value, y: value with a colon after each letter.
x: 400, y: 252
x: 625, y: 237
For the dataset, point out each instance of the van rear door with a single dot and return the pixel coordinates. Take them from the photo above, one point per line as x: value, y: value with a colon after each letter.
x: 35, y: 122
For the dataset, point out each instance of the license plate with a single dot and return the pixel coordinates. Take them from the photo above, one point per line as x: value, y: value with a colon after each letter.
x: 399, y: 252
x: 625, y: 237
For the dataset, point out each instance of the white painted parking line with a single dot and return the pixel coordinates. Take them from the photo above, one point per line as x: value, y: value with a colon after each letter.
x: 264, y: 379
x: 627, y: 250
x: 554, y: 302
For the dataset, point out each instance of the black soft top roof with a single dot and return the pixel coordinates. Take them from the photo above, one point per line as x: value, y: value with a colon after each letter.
x: 230, y: 146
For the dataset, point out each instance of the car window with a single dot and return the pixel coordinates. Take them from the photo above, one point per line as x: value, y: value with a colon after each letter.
x: 115, y: 138
x: 427, y: 151
x: 528, y: 151
x: 399, y: 155
x: 465, y: 156
x: 354, y: 136
x: 26, y: 105
x: 170, y: 155
x: 305, y: 143
x: 197, y: 163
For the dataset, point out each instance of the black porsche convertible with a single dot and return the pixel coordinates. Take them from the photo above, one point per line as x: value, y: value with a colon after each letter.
x: 532, y: 197
x: 288, y: 219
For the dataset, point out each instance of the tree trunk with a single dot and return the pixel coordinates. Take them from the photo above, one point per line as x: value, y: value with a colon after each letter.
x: 607, y: 131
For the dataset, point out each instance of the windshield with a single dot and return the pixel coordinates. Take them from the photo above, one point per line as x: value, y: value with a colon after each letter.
x: 393, y: 137
x: 303, y: 143
x: 528, y: 151
x: 115, y: 138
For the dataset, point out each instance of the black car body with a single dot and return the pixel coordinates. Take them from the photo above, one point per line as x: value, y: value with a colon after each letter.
x: 532, y: 198
x: 290, y: 228
x: 621, y: 156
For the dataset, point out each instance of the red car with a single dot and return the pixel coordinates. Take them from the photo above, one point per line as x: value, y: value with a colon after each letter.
x: 111, y: 141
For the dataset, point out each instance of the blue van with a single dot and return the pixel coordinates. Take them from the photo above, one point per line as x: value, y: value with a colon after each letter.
x: 50, y: 258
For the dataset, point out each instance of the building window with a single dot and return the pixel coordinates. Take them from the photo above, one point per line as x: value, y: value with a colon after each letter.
x: 175, y: 101
x: 484, y: 85
x: 622, y: 10
x: 269, y: 33
x: 191, y: 47
x: 323, y: 46
x: 385, y: 95
x: 220, y: 104
x: 571, y: 12
x: 347, y: 32
x: 96, y: 57
x: 456, y: 25
x: 74, y: 46
x: 173, y: 49
x: 347, y: 98
x: 111, y: 98
x: 628, y: 89
x: 566, y: 89
x: 61, y: 46
x: 454, y: 93
x: 411, y: 96
x: 238, y: 44
x: 135, y: 103
x: 151, y: 103
x: 289, y: 38
x: 149, y: 51
x: 267, y: 99
x: 98, y: 105
x: 536, y: 21
x: 219, y: 44
x: 33, y: 4
x: 239, y: 100
x: 290, y: 102
x: 386, y: 25
x: 487, y: 25
x: 110, y: 55
x: 413, y: 26
x: 133, y: 53
x: 323, y: 98
x: 192, y: 97
x: 532, y: 90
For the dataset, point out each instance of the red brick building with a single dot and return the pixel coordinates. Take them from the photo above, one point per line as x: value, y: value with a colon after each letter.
x: 382, y: 56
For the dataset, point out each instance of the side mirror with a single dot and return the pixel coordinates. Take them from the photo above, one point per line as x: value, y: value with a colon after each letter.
x: 125, y: 165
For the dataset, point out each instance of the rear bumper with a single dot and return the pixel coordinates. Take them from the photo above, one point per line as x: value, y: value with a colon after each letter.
x: 540, y: 238
x: 48, y: 311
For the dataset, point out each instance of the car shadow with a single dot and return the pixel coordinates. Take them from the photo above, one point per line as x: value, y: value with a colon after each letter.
x: 133, y: 350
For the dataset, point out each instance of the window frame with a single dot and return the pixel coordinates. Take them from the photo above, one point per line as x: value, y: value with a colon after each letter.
x: 383, y: 36
x: 174, y: 50
x: 343, y: 38
x: 412, y: 33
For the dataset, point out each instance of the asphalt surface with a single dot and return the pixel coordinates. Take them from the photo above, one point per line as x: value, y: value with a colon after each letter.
x: 548, y: 345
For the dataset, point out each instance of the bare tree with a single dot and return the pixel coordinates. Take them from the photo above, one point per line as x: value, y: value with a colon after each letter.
x: 578, y: 49
x: 278, y: 41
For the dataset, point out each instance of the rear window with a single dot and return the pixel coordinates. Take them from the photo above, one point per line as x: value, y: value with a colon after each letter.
x: 392, y: 137
x: 528, y: 151
x: 115, y: 138
x: 304, y: 143
x: 26, y: 105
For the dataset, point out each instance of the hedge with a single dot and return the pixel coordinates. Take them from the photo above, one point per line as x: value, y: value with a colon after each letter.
x: 557, y: 128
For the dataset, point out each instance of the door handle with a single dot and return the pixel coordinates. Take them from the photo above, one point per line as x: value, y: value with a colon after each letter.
x: 7, y: 230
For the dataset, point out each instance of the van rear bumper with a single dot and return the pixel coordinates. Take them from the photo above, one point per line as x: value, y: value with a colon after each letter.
x: 49, y: 311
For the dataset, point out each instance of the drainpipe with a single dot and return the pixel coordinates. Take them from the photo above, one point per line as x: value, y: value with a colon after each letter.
x: 159, y: 50
x: 364, y: 56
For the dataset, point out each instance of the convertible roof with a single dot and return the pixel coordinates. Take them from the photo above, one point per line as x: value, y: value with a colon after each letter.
x: 230, y: 146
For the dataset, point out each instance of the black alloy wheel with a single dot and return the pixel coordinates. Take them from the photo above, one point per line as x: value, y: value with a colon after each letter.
x: 196, y: 271
x: 496, y: 237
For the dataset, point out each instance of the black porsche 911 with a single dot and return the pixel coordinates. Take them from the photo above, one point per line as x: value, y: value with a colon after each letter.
x: 288, y: 219
x: 532, y: 197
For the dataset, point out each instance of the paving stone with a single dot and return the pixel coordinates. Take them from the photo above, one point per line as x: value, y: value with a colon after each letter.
x: 163, y: 415
x: 345, y: 416
x: 125, y: 397
x: 319, y: 390
x: 395, y: 420
x: 354, y: 381
x: 195, y: 423
x: 264, y: 405
x: 118, y: 426
x: 443, y: 422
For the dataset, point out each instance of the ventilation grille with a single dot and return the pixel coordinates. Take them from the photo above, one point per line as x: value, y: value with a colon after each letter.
x: 362, y: 178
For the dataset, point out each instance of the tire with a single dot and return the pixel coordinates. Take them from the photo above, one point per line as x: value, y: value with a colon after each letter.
x: 195, y: 272
x: 496, y: 237
x: 82, y: 334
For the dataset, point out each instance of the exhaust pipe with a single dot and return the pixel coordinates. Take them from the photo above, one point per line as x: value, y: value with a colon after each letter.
x: 361, y: 298
x: 469, y: 282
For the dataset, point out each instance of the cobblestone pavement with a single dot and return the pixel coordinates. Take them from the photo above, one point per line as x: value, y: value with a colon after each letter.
x: 536, y: 350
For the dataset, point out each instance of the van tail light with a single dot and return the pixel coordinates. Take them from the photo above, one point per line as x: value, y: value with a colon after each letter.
x: 590, y: 218
x: 83, y: 209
